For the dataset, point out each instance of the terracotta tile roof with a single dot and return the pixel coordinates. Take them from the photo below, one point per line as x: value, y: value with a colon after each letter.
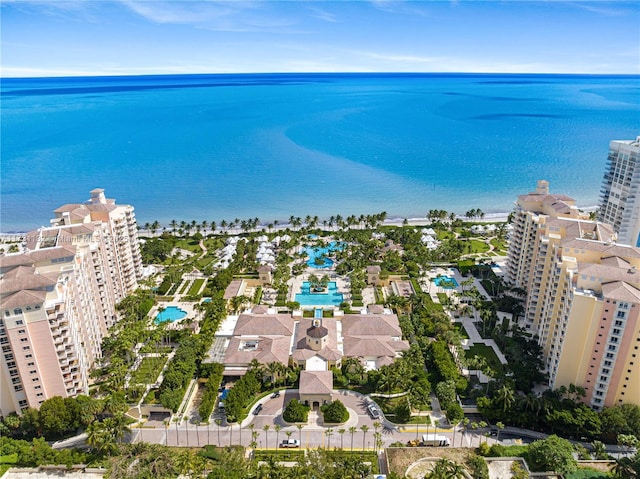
x: 373, y: 269
x: 370, y: 324
x: 36, y: 256
x: 316, y: 382
x: 22, y: 298
x: 621, y: 291
x: 260, y: 309
x: 606, y: 273
x: 268, y: 349
x: 361, y: 347
x: 260, y: 324
x: 616, y: 262
x: 609, y: 249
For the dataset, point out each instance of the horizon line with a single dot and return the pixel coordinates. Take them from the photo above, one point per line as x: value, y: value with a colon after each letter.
x: 354, y: 73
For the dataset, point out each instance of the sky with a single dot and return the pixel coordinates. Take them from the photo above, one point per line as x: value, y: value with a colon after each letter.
x: 140, y: 37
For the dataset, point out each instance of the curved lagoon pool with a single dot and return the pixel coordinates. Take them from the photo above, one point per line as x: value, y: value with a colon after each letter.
x: 170, y: 313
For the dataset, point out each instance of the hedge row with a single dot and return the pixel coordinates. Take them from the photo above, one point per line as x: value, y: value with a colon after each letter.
x: 211, y: 392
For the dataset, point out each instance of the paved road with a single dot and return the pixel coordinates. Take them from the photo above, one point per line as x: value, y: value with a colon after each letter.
x: 312, y: 435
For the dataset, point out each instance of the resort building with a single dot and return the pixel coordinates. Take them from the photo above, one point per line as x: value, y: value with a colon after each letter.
x: 314, y: 344
x: 583, y: 297
x: 58, y: 300
x: 619, y: 200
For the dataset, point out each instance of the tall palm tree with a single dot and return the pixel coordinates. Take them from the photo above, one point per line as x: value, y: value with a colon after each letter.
x: 277, y: 428
x: 266, y: 428
x: 352, y: 430
x: 329, y: 433
x: 299, y: 426
x: 341, y: 431
x: 364, y: 429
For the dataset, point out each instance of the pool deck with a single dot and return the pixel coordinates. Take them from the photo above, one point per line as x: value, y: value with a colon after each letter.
x: 188, y: 307
x: 295, y: 284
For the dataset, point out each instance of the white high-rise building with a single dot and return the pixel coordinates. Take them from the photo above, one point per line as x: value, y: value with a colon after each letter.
x: 58, y: 299
x: 619, y: 201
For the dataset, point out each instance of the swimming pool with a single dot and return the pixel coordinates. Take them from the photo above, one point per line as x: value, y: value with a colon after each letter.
x: 170, y: 313
x: 330, y: 298
x: 445, y: 282
x: 318, y: 253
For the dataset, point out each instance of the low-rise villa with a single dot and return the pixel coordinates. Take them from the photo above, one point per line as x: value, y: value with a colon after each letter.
x: 314, y: 344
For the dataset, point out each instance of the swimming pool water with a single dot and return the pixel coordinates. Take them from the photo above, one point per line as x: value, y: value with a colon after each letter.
x: 446, y: 282
x: 171, y: 313
x: 317, y: 252
x: 330, y: 298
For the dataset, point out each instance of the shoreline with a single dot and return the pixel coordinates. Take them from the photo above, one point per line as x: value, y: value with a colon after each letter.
x: 499, y: 217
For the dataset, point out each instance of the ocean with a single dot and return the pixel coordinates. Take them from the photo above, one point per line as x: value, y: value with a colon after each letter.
x: 214, y: 147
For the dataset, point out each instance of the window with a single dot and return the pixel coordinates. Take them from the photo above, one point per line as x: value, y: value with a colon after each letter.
x: 17, y: 311
x: 19, y: 322
x: 18, y: 387
x: 31, y: 364
x: 607, y: 363
x: 22, y: 331
x: 26, y: 348
x: 23, y: 403
x: 15, y: 380
x: 35, y: 380
x: 13, y: 372
x: 8, y: 357
x: 612, y: 347
x: 34, y: 371
x: 24, y: 340
x: 28, y: 356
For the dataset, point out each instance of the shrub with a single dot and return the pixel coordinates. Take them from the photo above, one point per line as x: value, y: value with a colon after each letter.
x: 403, y: 411
x: 295, y: 411
x: 334, y: 412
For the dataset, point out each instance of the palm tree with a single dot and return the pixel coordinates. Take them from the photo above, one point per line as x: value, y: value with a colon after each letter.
x: 364, y: 429
x: 352, y: 430
x: 277, y: 428
x: 341, y: 431
x: 506, y: 396
x: 329, y: 433
x: 218, y: 422
x: 299, y: 426
x: 266, y: 428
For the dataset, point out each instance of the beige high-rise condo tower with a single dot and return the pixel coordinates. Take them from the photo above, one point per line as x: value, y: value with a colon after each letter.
x: 583, y: 297
x: 58, y: 299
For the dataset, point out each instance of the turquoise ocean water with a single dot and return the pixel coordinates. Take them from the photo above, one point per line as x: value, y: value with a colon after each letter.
x: 214, y: 147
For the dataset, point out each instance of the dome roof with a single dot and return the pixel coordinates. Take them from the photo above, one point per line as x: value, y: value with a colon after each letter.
x: 317, y: 332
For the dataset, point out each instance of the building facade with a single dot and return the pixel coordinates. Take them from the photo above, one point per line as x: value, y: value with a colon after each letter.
x: 58, y: 300
x: 619, y: 201
x: 583, y: 297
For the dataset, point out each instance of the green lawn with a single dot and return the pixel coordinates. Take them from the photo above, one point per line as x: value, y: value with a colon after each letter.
x: 7, y: 461
x: 478, y: 246
x: 585, y: 473
x: 195, y: 287
x: 487, y: 353
x: 148, y: 370
x: 461, y: 331
x: 184, y: 287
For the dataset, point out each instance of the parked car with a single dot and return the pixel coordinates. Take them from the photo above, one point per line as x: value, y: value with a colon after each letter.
x: 257, y: 410
x: 373, y: 410
x: 290, y: 443
x: 276, y: 394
